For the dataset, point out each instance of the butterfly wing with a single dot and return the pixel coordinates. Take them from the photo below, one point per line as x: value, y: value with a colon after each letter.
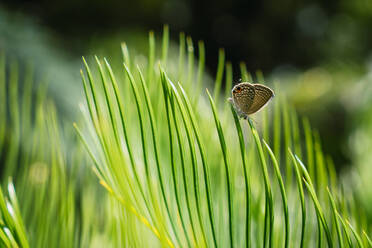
x: 243, y: 99
x: 262, y: 96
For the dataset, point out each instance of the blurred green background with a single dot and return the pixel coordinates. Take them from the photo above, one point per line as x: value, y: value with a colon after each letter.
x: 317, y: 51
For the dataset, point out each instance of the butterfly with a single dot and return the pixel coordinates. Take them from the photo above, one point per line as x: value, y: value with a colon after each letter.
x: 249, y: 98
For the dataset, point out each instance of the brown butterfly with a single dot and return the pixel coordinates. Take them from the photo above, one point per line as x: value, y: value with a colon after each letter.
x: 249, y: 98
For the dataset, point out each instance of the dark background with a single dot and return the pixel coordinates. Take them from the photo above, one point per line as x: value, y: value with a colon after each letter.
x: 264, y: 34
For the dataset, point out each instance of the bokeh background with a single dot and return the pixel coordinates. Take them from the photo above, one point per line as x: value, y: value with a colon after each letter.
x: 318, y: 52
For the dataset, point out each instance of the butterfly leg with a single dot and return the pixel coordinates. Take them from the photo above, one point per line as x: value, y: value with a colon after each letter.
x: 240, y: 113
x: 251, y: 120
